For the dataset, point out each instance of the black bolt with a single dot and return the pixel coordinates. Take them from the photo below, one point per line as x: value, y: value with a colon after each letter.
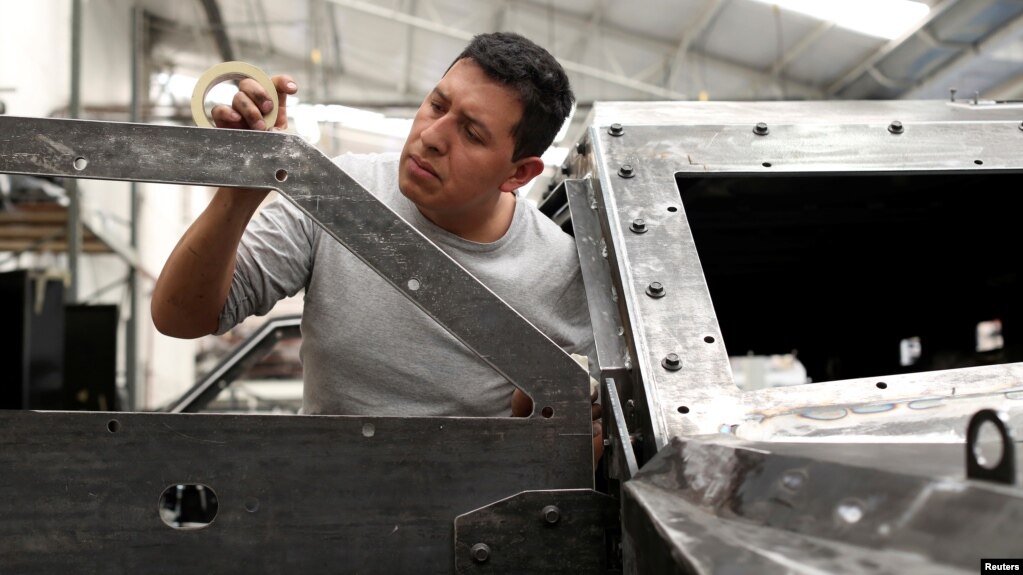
x: 566, y: 170
x: 655, y: 290
x: 1021, y: 126
x: 895, y: 127
x: 671, y: 362
x: 582, y: 148
x: 551, y: 514
x: 480, y: 552
x: 638, y: 226
x: 626, y: 171
x: 761, y: 129
x: 616, y: 130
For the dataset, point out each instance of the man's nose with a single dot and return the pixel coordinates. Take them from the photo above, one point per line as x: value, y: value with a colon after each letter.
x: 436, y: 135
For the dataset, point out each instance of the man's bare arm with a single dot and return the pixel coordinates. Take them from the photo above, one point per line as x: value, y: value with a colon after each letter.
x: 196, y: 280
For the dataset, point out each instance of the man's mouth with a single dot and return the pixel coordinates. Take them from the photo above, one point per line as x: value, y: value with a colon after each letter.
x: 419, y: 163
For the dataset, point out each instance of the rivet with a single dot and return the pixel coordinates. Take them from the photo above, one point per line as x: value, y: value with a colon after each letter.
x: 480, y: 552
x: 551, y: 514
x: 582, y: 148
x: 566, y: 170
x: 655, y: 290
x: 896, y: 127
x: 761, y: 129
x: 638, y: 226
x: 626, y: 171
x: 671, y: 362
x: 616, y: 130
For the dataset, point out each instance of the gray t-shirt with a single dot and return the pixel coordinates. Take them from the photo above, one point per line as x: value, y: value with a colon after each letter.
x: 367, y: 349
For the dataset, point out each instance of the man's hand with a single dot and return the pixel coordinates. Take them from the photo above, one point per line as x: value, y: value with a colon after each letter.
x: 251, y: 102
x: 522, y: 406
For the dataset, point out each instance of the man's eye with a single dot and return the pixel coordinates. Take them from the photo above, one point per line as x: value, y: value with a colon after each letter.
x: 436, y: 107
x: 473, y: 136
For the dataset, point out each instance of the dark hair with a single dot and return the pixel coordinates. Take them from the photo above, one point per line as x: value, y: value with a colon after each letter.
x: 535, y: 76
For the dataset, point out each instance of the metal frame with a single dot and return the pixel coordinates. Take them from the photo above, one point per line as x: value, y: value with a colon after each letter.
x: 659, y: 141
x: 297, y: 494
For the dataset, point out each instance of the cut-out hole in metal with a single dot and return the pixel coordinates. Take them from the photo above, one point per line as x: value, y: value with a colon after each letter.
x: 709, y: 339
x: 281, y: 175
x: 979, y: 162
x: 188, y: 506
x: 113, y: 426
x: 672, y: 209
x: 766, y: 164
x: 683, y: 409
x: 990, y: 449
x: 882, y: 385
x: 547, y: 412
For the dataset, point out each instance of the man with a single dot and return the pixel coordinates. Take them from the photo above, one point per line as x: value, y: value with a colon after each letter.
x: 475, y: 140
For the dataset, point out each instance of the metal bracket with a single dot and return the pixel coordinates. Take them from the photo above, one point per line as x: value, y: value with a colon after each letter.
x: 1005, y: 470
x: 537, y: 532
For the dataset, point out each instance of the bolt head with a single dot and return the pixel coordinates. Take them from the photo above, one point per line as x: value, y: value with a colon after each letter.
x: 671, y: 362
x: 896, y: 127
x: 626, y: 171
x: 582, y: 148
x: 551, y: 514
x: 638, y: 226
x: 761, y: 129
x: 480, y: 552
x: 616, y: 129
x: 655, y: 290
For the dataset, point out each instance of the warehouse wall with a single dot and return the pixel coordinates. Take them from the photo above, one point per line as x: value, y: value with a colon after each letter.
x: 35, y: 56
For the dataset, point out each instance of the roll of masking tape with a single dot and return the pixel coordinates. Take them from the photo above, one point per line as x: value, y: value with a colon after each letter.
x: 231, y: 71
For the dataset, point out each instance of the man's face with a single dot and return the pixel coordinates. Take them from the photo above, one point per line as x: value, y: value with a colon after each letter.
x: 458, y: 156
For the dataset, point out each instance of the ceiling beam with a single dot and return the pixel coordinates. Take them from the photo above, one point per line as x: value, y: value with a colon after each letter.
x: 752, y: 74
x: 689, y: 36
x: 1007, y: 33
x: 863, y: 67
x: 217, y: 29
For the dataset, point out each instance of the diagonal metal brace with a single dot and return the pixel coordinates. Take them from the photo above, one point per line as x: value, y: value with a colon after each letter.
x: 344, y: 209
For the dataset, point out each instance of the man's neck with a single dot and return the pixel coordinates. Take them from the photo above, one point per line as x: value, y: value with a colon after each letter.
x: 484, y: 224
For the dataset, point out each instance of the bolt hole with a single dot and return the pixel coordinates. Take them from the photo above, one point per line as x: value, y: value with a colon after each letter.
x: 709, y: 339
x: 81, y: 163
x: 188, y: 507
x: 683, y: 409
x: 672, y: 209
x: 882, y: 385
x: 979, y: 162
x: 368, y: 430
x: 988, y: 448
x: 547, y: 412
x: 766, y: 164
x: 113, y: 426
x: 281, y: 175
x: 414, y: 285
x: 252, y: 505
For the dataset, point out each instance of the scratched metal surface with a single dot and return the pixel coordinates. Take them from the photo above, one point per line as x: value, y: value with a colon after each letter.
x: 719, y: 504
x: 297, y: 494
x: 701, y: 398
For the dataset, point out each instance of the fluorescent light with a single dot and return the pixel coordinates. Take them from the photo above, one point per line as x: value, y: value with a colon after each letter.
x: 882, y: 18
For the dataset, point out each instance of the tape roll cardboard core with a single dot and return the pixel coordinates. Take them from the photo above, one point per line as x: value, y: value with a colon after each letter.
x: 231, y: 71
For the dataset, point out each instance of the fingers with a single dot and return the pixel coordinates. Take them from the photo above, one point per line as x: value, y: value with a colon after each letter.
x: 285, y: 87
x: 598, y: 442
x: 596, y: 411
x: 252, y: 102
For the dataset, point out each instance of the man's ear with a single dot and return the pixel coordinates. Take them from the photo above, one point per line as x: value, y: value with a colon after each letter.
x: 525, y: 170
